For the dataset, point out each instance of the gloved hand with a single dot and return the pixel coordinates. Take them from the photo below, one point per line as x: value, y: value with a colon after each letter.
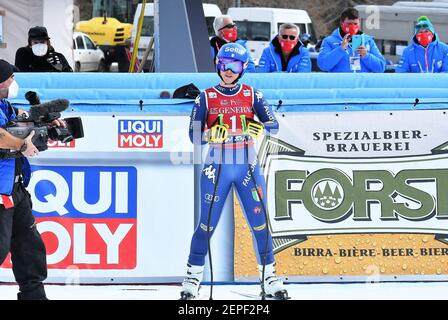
x: 255, y: 129
x: 218, y: 133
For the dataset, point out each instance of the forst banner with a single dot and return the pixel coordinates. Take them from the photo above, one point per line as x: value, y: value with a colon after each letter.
x: 354, y: 194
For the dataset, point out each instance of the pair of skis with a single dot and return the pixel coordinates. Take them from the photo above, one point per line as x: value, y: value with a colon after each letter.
x: 280, y: 295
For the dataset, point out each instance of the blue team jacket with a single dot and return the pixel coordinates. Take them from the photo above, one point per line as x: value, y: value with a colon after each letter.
x: 414, y: 58
x: 333, y: 58
x: 271, y: 60
x: 7, y: 166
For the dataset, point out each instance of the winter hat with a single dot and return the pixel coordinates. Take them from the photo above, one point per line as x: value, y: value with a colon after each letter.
x: 37, y: 33
x: 6, y: 70
x: 423, y: 22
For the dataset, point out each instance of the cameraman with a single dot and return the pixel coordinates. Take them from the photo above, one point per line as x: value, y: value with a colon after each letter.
x: 18, y: 232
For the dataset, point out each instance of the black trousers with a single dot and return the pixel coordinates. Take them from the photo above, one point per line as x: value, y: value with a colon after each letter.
x: 19, y: 235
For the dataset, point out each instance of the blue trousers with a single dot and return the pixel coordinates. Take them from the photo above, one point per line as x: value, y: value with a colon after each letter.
x: 234, y: 166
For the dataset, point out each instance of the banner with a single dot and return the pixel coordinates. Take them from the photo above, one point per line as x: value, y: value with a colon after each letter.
x: 107, y: 204
x: 355, y: 194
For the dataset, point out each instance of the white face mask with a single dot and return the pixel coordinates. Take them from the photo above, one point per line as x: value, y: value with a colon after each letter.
x: 13, y: 90
x: 40, y: 49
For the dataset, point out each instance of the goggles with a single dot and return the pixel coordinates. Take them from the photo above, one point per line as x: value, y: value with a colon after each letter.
x: 235, y: 66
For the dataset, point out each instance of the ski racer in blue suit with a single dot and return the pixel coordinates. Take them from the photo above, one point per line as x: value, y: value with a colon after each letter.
x: 224, y: 116
x: 337, y: 54
x: 426, y: 54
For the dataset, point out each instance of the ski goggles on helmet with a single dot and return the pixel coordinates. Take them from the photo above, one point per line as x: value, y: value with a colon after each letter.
x: 235, y: 66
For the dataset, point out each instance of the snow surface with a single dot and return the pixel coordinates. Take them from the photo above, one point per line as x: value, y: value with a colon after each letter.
x: 354, y: 291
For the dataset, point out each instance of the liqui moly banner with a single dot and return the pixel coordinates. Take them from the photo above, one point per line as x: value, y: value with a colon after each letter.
x: 130, y: 133
x: 106, y: 213
x: 87, y: 216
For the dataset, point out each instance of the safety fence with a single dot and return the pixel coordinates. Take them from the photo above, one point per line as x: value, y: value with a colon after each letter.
x: 356, y: 179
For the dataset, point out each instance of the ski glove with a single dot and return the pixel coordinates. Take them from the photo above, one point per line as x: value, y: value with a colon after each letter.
x: 255, y: 129
x: 218, y: 133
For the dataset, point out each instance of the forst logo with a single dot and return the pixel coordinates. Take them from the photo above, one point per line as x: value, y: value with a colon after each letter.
x: 87, y: 216
x: 327, y: 194
x: 331, y: 196
x: 140, y: 134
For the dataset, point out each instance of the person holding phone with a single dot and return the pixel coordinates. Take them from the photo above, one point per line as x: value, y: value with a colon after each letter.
x: 337, y: 53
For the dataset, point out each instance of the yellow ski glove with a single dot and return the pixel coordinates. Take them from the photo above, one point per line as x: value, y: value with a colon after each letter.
x: 255, y: 129
x: 218, y: 133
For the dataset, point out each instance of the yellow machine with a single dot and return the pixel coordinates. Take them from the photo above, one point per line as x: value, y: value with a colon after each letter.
x: 110, y: 30
x: 106, y: 31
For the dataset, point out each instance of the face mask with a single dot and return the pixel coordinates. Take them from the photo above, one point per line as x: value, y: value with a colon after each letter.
x: 287, y: 45
x: 40, y: 49
x: 424, y: 38
x: 351, y: 29
x: 13, y: 90
x: 229, y: 34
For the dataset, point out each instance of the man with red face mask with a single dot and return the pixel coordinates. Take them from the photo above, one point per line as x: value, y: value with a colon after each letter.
x: 285, y: 52
x: 337, y: 54
x: 425, y: 54
x: 227, y: 32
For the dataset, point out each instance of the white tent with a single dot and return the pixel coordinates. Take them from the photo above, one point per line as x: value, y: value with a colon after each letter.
x: 20, y: 15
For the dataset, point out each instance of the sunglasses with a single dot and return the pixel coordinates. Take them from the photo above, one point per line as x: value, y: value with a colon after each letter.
x: 233, y: 65
x: 291, y: 37
x: 228, y: 26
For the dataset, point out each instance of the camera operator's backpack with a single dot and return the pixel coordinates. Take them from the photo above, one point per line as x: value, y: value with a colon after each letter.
x: 189, y: 91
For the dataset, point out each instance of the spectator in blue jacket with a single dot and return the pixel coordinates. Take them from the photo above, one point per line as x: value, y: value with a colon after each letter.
x: 226, y: 31
x: 425, y: 53
x: 285, y: 52
x: 336, y: 53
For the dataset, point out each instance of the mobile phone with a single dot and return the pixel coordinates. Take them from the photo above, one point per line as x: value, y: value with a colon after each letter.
x: 357, y: 41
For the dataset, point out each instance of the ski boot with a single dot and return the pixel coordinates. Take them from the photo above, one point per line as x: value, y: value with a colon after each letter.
x: 273, y: 285
x: 191, y: 283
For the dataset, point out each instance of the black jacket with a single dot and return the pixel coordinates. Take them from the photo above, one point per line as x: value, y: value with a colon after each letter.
x: 216, y: 43
x: 53, y: 61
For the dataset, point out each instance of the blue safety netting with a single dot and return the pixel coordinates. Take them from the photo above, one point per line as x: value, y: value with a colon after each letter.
x: 117, y: 92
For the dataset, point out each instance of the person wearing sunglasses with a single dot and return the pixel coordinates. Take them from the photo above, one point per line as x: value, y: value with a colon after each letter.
x: 227, y: 32
x: 229, y: 117
x: 426, y: 53
x: 337, y: 54
x: 286, y: 52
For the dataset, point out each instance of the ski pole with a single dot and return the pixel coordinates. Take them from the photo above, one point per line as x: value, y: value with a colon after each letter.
x: 220, y: 117
x: 246, y: 146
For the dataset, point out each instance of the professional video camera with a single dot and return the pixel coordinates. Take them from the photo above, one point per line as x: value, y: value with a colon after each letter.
x: 39, y: 119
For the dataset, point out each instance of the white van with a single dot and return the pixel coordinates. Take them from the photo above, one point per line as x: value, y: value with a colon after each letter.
x: 210, y: 12
x: 260, y: 25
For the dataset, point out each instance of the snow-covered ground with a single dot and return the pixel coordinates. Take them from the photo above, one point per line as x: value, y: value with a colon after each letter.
x: 359, y: 291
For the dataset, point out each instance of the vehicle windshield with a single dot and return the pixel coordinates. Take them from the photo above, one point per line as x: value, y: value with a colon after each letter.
x: 253, y: 30
x: 148, y: 26
x: 122, y: 10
